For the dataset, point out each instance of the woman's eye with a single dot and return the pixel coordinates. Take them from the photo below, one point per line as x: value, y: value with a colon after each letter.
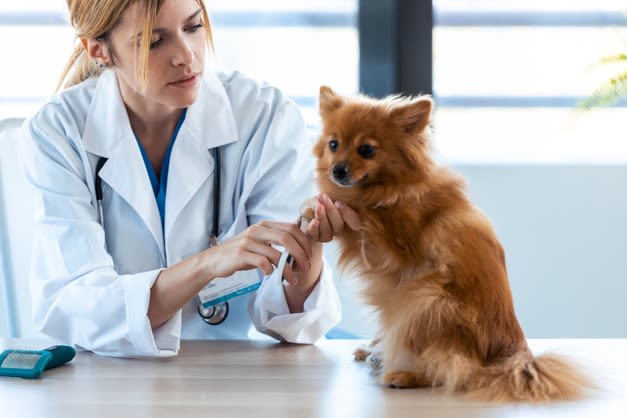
x: 195, y: 28
x: 155, y: 43
x: 333, y: 144
x: 367, y: 151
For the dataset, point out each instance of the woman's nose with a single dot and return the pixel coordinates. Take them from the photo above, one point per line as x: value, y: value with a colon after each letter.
x: 184, y: 54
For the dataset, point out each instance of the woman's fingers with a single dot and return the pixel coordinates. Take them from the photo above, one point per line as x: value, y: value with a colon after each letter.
x: 288, y: 236
x: 334, y: 217
x: 313, y: 230
x: 255, y: 247
x: 243, y: 253
x: 325, y: 231
x: 331, y: 219
x: 350, y: 217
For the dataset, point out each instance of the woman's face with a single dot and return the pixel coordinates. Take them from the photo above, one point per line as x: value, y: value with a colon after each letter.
x: 176, y: 58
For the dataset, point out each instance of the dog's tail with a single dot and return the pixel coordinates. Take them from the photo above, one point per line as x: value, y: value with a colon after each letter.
x: 523, y: 377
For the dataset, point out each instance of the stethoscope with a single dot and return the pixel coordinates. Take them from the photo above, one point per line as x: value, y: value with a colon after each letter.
x: 213, y: 315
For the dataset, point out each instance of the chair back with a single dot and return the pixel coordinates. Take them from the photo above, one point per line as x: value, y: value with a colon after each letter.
x: 17, y: 222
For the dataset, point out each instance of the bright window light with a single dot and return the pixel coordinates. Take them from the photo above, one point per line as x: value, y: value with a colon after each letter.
x: 507, y: 74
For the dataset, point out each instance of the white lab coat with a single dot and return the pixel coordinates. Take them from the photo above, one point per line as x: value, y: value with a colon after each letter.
x: 97, y: 299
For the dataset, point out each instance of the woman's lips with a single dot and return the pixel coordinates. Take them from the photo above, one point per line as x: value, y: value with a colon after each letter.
x: 185, y: 82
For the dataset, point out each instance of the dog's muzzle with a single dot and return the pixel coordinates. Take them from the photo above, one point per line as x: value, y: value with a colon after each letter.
x: 341, y: 174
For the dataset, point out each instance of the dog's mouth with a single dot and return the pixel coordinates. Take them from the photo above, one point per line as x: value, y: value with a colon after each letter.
x: 343, y: 182
x: 341, y: 176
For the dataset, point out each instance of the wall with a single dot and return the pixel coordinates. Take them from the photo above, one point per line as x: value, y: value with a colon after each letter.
x: 16, y: 231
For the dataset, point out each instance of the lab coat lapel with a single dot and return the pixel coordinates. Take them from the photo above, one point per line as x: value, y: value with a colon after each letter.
x: 126, y: 174
x: 108, y: 134
x: 191, y: 163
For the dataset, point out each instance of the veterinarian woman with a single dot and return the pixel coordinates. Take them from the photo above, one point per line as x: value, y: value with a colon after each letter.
x: 142, y: 122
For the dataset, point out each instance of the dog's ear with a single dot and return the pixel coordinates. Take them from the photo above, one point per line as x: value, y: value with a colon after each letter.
x: 329, y: 101
x: 413, y: 116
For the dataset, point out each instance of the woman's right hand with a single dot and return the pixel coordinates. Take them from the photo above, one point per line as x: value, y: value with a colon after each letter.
x: 253, y: 248
x: 178, y: 284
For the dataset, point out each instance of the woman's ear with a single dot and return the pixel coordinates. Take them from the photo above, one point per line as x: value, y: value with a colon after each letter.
x: 96, y: 50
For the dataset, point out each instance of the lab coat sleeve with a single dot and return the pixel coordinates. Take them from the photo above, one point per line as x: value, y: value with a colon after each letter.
x: 271, y: 315
x: 78, y: 298
x: 284, y: 181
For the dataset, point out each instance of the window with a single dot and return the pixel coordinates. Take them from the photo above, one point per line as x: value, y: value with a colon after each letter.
x: 296, y: 45
x: 508, y: 76
x: 36, y: 44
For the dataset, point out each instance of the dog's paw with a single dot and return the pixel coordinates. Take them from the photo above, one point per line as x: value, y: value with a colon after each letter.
x: 402, y: 380
x: 375, y: 361
x: 361, y: 353
x: 371, y: 358
x: 306, y: 213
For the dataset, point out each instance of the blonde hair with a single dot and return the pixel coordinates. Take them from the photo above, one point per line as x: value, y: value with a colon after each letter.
x: 95, y: 19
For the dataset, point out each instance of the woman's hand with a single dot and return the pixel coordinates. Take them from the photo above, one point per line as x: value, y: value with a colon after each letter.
x: 178, y: 284
x: 253, y: 248
x: 328, y: 218
x: 325, y: 220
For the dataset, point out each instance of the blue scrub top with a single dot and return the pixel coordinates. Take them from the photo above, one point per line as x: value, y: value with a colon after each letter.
x: 159, y: 185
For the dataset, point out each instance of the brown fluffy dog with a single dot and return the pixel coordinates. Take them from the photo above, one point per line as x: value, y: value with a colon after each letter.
x: 430, y: 261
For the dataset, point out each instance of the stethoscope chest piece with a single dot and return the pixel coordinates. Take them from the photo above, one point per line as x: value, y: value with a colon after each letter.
x: 214, y: 315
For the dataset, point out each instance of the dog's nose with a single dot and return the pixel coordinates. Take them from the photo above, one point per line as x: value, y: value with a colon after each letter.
x: 340, y: 171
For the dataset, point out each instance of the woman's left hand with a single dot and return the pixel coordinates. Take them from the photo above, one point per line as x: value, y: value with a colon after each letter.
x: 326, y: 220
x: 329, y: 219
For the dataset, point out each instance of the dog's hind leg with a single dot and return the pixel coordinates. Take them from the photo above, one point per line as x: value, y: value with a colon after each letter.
x: 402, y: 369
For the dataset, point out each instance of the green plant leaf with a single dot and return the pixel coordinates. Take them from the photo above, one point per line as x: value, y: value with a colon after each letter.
x: 613, y: 59
x: 608, y: 93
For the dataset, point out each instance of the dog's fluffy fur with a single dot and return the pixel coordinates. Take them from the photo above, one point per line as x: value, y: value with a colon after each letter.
x: 430, y: 261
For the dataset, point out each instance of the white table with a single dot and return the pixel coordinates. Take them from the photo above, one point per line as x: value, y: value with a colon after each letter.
x: 267, y: 379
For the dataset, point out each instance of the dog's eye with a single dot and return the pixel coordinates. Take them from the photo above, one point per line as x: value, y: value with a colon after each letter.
x: 367, y: 151
x: 333, y: 144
